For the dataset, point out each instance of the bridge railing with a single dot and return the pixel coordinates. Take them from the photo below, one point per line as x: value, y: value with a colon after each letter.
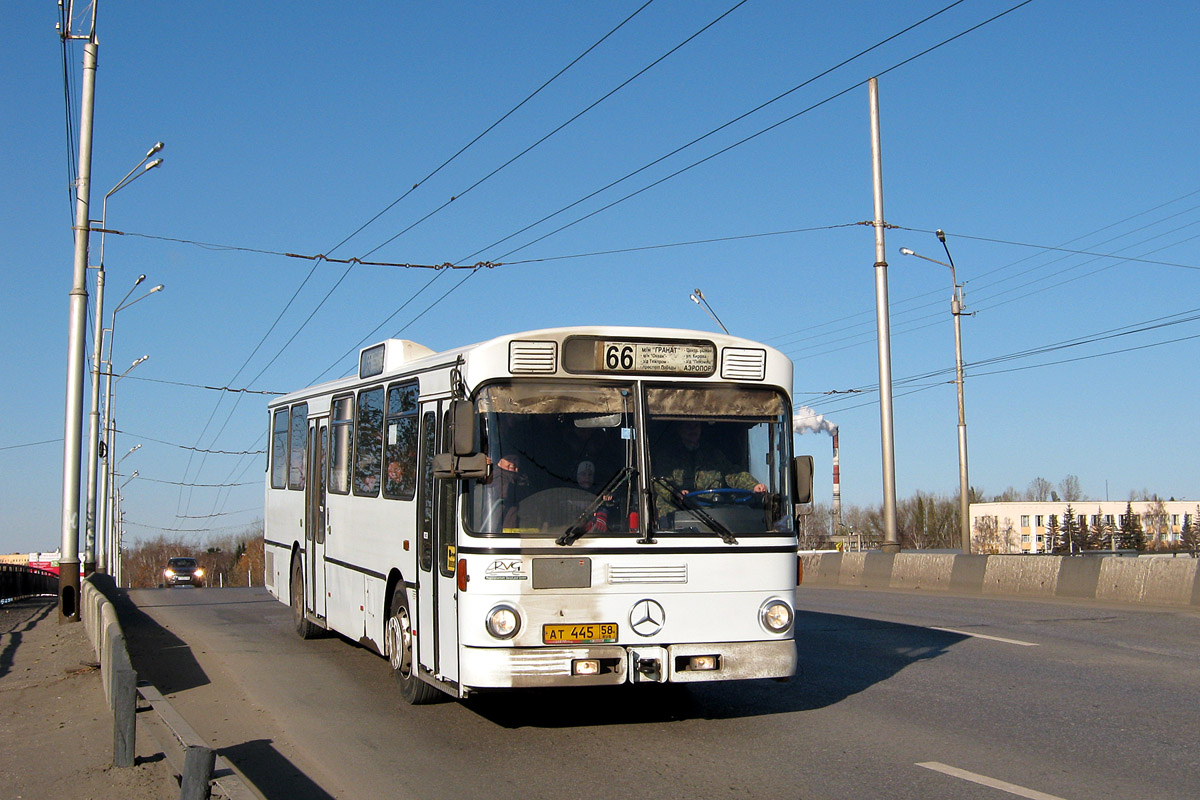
x: 18, y: 581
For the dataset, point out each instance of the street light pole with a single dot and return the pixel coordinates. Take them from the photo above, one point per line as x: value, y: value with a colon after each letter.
x: 90, y: 557
x: 68, y: 565
x: 956, y: 309
x: 108, y: 468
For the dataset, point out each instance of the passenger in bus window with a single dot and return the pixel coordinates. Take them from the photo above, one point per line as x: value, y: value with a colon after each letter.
x: 395, y: 478
x: 687, y: 462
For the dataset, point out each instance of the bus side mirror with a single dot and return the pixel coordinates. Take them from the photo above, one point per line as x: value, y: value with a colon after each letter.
x: 462, y: 462
x: 462, y: 427
x: 802, y: 479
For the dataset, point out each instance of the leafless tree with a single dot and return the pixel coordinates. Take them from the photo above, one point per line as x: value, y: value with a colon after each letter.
x: 986, y: 537
x: 1039, y: 490
x: 1069, y: 489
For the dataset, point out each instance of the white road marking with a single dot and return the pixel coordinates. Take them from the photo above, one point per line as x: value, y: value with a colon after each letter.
x: 984, y: 636
x: 983, y: 780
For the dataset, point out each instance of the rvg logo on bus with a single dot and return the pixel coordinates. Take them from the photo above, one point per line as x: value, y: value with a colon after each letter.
x: 505, y: 569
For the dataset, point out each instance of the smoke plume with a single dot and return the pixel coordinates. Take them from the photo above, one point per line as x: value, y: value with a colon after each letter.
x: 805, y: 420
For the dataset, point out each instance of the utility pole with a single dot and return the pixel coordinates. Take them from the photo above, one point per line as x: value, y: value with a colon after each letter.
x: 891, y: 539
x: 68, y: 565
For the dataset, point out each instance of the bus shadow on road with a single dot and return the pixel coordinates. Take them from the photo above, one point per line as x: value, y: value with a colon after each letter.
x: 271, y: 773
x: 838, y: 657
x: 158, y: 655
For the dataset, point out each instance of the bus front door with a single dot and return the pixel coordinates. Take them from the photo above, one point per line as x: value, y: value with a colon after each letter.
x: 315, y: 518
x: 437, y: 600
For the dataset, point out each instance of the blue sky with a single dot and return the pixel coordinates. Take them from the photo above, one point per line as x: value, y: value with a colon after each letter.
x: 289, y: 126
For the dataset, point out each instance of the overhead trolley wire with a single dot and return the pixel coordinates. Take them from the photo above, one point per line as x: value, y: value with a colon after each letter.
x: 556, y: 130
x: 489, y: 128
x: 724, y: 150
x: 714, y: 131
x: 377, y: 216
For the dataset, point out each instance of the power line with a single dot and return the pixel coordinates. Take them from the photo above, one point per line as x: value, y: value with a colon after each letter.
x: 186, y: 447
x: 489, y: 128
x: 351, y: 266
x: 1061, y: 249
x: 32, y: 444
x: 763, y: 131
x: 588, y: 108
x: 717, y: 154
x: 227, y: 389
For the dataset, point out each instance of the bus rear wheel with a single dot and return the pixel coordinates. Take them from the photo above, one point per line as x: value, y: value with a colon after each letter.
x: 398, y: 636
x: 304, y: 628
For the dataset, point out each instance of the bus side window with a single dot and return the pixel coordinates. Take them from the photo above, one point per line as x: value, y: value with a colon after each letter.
x: 400, y: 442
x: 429, y: 450
x: 298, y: 443
x: 368, y: 446
x: 279, y: 449
x: 341, y: 430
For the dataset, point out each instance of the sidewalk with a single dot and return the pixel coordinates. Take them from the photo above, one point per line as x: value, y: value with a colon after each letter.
x: 56, y: 731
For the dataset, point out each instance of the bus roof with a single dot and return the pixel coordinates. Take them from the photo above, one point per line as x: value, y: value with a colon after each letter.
x: 401, y: 356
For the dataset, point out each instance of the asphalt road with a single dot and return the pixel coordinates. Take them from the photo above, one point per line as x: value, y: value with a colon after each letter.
x: 900, y: 695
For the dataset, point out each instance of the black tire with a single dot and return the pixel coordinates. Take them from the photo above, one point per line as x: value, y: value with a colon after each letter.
x: 304, y: 628
x: 397, y: 636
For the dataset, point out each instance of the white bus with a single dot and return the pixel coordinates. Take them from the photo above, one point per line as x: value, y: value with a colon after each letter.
x: 568, y: 507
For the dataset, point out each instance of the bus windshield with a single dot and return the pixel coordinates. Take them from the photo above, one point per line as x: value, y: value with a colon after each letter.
x: 565, y: 458
x: 560, y: 454
x: 719, y: 460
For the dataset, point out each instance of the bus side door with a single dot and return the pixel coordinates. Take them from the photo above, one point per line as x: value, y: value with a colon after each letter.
x: 437, y: 600
x: 315, y: 518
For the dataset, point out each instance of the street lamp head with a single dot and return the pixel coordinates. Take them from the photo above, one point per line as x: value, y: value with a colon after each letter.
x: 695, y: 299
x: 904, y: 251
x: 157, y: 146
x: 158, y: 288
x: 152, y: 165
x: 941, y: 234
x: 138, y: 282
x: 139, y: 361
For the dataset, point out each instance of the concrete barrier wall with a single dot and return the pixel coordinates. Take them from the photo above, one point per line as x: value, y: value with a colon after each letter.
x: 1156, y: 581
x: 922, y: 571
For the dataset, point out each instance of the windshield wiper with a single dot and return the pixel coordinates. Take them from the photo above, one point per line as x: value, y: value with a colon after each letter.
x: 688, y: 504
x: 579, y: 527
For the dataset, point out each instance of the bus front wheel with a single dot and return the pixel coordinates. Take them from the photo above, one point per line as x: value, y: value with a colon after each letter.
x: 399, y: 641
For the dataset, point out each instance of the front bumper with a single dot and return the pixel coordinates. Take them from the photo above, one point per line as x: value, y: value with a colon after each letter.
x: 532, y: 667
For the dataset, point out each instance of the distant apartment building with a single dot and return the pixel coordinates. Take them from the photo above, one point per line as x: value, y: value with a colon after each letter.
x: 1023, y: 527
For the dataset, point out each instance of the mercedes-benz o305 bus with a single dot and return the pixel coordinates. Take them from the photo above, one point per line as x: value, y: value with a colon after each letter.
x: 566, y: 507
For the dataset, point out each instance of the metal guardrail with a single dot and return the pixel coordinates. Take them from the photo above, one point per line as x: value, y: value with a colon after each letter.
x: 202, y: 773
x: 18, y: 581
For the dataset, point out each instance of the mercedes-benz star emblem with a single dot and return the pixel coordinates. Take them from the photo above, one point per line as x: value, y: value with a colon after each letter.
x: 647, y: 617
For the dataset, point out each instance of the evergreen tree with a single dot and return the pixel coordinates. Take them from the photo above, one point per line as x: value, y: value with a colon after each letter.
x: 1070, y: 535
x: 1054, y: 541
x: 1132, y: 537
x: 1190, y: 535
x: 1098, y: 535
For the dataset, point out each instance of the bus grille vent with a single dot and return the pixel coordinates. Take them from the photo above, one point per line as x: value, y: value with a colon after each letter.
x: 741, y: 364
x: 541, y: 663
x: 532, y: 357
x: 668, y: 574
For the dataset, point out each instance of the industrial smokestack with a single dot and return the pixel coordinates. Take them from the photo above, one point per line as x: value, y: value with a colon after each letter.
x: 837, y: 485
x: 806, y: 420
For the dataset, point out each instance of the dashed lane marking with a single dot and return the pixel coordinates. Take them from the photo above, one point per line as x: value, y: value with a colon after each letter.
x: 983, y: 780
x: 985, y: 636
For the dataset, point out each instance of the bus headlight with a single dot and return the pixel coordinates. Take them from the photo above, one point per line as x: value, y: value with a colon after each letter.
x: 776, y: 616
x: 503, y: 622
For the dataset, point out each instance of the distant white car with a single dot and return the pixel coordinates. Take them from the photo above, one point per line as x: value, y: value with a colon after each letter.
x: 182, y: 571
